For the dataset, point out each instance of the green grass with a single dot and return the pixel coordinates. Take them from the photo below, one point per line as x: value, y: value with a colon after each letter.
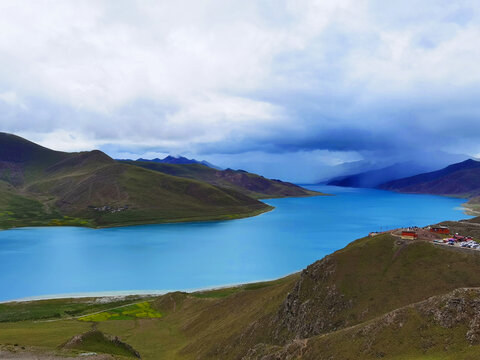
x: 247, y: 183
x: 227, y: 291
x: 55, y: 308
x: 17, y: 210
x: 63, y: 198
x: 136, y: 311
x: 47, y: 335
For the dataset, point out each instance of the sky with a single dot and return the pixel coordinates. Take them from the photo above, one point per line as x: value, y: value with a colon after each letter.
x: 290, y: 89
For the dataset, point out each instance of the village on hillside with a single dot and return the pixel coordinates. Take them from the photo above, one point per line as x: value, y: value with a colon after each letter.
x: 438, y: 235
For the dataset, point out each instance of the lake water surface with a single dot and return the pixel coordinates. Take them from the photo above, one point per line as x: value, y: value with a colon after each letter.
x: 66, y: 260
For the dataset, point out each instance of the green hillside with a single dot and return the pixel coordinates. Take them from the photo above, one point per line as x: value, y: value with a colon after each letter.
x: 39, y: 186
x: 250, y: 184
x: 380, y: 297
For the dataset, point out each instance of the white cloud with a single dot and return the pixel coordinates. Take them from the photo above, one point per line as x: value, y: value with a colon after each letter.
x: 180, y: 75
x: 11, y: 98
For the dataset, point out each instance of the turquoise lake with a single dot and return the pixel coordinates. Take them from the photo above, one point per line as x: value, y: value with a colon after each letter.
x: 67, y: 260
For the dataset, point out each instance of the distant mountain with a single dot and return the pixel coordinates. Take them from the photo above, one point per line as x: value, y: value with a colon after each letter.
x: 373, y: 178
x: 179, y: 160
x: 247, y: 183
x: 460, y: 179
x: 368, y: 174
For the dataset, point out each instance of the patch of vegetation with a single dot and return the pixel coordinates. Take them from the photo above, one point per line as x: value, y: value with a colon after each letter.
x: 70, y: 221
x: 20, y: 210
x: 55, y: 308
x: 135, y: 311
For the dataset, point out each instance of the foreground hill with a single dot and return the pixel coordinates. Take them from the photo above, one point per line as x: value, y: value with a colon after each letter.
x: 39, y: 186
x: 380, y: 297
x: 250, y: 184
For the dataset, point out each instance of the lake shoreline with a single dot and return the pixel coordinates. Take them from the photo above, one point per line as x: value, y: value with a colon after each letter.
x: 200, y: 219
x: 113, y: 295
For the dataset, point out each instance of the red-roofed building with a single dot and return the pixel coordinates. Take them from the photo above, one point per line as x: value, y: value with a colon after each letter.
x: 440, y: 230
x: 409, y: 234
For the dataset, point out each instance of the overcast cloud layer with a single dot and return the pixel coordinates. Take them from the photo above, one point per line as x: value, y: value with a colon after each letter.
x: 266, y: 83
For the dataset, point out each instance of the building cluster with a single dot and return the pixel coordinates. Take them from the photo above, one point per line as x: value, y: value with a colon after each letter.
x: 413, y: 233
x: 110, y: 209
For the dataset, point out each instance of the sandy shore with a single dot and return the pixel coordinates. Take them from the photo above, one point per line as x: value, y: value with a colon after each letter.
x: 116, y: 295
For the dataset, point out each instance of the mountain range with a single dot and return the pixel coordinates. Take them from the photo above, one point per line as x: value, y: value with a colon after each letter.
x: 39, y: 186
x: 457, y: 179
x: 374, y: 178
x: 461, y: 179
x: 180, y: 160
x: 250, y: 184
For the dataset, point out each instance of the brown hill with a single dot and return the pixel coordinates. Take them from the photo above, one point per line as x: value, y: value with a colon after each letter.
x: 39, y: 186
x: 461, y: 179
x: 250, y: 184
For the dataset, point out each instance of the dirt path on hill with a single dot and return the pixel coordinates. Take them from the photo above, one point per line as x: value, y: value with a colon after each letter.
x: 174, y: 303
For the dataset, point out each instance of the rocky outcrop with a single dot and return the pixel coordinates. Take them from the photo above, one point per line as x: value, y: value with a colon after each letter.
x: 82, y: 341
x: 461, y: 307
x: 312, y: 307
x: 458, y: 312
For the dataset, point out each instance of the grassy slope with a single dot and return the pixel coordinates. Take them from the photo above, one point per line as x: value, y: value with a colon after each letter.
x: 394, y: 275
x: 152, y: 197
x: 438, y: 328
x: 372, y: 276
x: 250, y: 184
x: 190, y: 323
x: 57, y: 308
x: 39, y: 186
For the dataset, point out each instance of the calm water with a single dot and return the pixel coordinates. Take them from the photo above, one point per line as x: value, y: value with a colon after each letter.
x: 44, y: 261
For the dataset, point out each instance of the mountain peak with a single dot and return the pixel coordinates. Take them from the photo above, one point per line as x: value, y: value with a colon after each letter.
x: 181, y: 160
x: 14, y: 148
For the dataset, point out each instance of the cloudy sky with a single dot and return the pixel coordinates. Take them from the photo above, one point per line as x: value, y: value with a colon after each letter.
x: 285, y: 88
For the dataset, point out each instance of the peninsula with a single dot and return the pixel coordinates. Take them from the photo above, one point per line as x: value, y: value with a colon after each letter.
x: 43, y: 187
